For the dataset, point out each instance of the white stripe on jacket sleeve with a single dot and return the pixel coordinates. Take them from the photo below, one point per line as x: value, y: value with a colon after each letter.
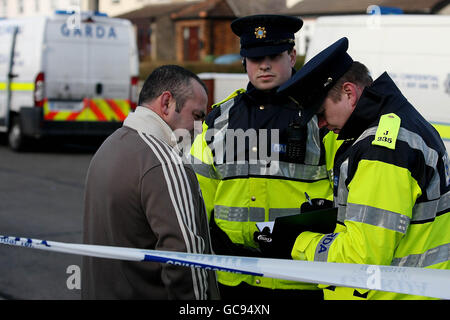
x: 181, y: 195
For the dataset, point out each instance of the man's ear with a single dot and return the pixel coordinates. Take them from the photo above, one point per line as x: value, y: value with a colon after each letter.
x: 352, y: 92
x: 164, y: 102
x: 293, y: 57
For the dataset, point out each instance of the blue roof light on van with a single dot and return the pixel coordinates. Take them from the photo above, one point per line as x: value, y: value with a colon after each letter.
x: 374, y: 9
x: 71, y: 12
x: 65, y: 12
x: 100, y: 14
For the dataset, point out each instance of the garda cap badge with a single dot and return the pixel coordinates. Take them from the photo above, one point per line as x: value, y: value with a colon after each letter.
x: 260, y: 33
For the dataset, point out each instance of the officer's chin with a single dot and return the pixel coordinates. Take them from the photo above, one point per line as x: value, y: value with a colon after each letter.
x: 266, y: 86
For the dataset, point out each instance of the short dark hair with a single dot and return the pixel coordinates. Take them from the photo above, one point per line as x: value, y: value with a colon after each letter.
x: 357, y: 74
x: 172, y: 78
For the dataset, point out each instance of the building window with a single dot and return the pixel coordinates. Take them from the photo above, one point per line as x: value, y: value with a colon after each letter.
x: 115, y: 1
x: 37, y: 7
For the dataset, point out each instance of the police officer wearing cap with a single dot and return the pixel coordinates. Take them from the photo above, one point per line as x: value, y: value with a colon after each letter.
x: 391, y: 175
x: 239, y: 185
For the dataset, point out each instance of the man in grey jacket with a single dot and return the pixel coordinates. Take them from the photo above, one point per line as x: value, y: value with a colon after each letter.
x: 140, y: 194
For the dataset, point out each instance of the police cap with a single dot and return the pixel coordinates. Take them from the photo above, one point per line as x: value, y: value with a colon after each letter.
x: 310, y: 85
x: 265, y: 35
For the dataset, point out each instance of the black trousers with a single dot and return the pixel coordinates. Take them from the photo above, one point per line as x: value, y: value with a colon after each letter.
x: 246, y: 292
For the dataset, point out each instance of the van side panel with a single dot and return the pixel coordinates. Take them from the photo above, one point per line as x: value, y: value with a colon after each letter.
x: 65, y: 63
x: 87, y: 71
x: 6, y: 39
x: 78, y: 60
x: 27, y: 59
x: 85, y: 74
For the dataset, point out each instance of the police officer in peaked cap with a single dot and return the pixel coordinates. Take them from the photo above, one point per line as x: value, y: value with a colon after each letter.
x: 390, y: 174
x: 241, y: 193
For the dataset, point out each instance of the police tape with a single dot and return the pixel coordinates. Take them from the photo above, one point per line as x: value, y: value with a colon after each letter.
x: 433, y: 283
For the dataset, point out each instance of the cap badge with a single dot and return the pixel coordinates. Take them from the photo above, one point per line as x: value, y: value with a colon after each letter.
x: 260, y: 33
x: 329, y: 80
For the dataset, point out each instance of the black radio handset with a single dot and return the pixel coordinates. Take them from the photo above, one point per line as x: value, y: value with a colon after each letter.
x: 296, y: 147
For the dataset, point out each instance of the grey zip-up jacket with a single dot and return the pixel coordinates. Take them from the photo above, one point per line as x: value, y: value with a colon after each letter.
x: 140, y: 194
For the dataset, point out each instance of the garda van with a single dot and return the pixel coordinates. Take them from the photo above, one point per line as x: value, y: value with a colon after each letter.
x: 413, y: 49
x: 66, y: 74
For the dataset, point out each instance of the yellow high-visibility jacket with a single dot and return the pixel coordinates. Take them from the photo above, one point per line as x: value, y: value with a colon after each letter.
x: 240, y: 187
x: 392, y: 188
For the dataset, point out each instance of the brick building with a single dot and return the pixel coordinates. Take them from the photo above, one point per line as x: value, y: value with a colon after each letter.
x: 194, y: 30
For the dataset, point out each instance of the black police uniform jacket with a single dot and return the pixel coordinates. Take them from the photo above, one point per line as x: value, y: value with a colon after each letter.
x: 262, y: 179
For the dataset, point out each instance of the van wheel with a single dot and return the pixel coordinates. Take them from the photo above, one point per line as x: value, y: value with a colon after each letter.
x: 16, y: 140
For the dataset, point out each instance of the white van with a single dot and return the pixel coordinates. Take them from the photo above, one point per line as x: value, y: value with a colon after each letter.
x: 67, y: 74
x: 413, y: 49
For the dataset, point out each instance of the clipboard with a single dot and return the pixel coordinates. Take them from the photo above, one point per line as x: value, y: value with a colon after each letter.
x: 321, y: 221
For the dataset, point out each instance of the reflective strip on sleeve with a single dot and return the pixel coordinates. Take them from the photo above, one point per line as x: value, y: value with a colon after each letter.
x: 237, y: 214
x: 204, y: 170
x: 312, y: 155
x: 377, y: 217
x: 416, y: 142
x: 426, y: 211
x: 323, y: 247
x: 428, y: 258
x: 222, y: 121
x: 220, y: 129
x: 342, y: 188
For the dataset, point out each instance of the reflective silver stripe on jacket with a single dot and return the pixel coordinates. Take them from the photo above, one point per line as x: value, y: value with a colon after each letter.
x: 323, y: 247
x: 342, y: 192
x: 426, y: 259
x: 421, y: 211
x: 222, y: 120
x: 275, y: 169
x: 416, y: 142
x: 203, y: 169
x: 377, y: 217
x: 431, y: 158
x: 312, y: 155
x: 428, y: 210
x: 239, y: 214
x: 309, y: 171
x: 245, y: 214
x: 220, y: 129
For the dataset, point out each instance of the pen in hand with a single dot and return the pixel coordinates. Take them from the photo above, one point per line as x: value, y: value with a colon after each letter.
x: 308, y: 199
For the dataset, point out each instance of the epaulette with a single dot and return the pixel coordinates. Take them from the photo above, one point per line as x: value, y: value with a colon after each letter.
x: 387, y: 131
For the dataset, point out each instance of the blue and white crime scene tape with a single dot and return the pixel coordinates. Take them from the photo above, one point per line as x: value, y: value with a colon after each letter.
x: 415, y: 281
